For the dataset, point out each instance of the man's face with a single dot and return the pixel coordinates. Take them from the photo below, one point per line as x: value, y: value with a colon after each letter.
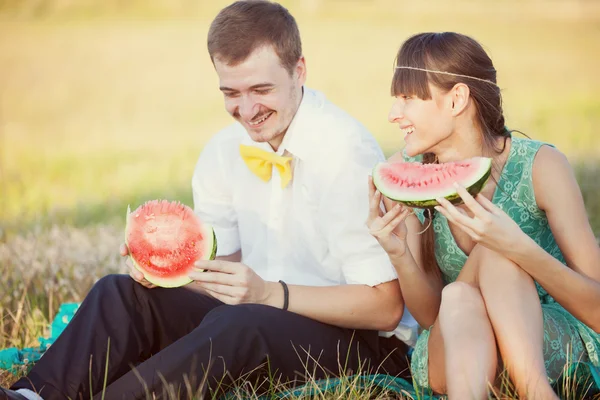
x: 261, y: 94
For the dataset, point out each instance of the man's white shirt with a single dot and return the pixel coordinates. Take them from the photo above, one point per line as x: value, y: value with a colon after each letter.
x: 312, y: 232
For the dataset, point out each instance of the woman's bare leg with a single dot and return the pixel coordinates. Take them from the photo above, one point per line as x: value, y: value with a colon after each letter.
x: 470, y: 352
x: 515, y: 312
x: 462, y: 348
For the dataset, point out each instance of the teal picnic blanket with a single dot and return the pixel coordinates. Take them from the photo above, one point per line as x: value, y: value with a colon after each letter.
x: 13, y: 359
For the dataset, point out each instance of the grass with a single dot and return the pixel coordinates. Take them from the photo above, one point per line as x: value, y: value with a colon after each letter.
x: 98, y: 113
x: 108, y: 104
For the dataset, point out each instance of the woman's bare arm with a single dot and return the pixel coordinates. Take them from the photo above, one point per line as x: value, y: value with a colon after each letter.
x: 576, y: 287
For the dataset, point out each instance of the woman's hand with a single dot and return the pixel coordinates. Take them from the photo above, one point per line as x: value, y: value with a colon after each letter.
x: 489, y: 226
x: 389, y: 229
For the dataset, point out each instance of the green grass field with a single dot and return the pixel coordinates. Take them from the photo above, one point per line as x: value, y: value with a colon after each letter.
x: 98, y: 113
x: 103, y: 106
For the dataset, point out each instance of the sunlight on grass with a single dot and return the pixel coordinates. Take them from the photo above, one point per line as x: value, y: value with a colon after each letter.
x: 96, y: 114
x: 105, y: 104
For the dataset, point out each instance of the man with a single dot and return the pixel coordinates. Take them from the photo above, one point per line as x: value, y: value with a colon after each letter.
x: 299, y: 286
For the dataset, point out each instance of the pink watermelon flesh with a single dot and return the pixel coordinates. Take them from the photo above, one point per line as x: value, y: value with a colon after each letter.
x: 165, y: 239
x: 420, y: 184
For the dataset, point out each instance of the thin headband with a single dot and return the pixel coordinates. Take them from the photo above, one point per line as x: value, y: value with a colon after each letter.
x: 447, y: 73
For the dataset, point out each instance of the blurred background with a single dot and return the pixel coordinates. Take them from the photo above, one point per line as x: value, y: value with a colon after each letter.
x: 105, y: 103
x: 108, y: 103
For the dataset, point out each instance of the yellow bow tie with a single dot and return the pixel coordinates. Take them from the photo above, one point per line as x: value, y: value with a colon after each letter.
x: 261, y: 162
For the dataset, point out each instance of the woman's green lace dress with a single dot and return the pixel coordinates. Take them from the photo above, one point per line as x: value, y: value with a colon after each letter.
x: 565, y: 337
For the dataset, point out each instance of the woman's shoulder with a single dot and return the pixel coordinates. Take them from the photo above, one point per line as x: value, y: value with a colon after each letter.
x: 524, y: 145
x: 542, y: 167
x: 534, y: 152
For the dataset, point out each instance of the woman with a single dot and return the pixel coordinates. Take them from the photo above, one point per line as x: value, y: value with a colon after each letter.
x: 508, y: 279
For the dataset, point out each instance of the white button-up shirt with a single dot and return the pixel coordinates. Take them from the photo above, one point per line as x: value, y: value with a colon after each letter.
x: 312, y: 232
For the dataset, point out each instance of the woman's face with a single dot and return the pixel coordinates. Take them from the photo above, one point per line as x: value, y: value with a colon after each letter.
x: 424, y: 123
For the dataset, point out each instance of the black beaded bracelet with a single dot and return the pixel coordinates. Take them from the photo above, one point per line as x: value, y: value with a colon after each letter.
x: 286, y: 295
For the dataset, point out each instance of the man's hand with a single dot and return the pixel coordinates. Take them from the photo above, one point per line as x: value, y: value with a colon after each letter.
x: 133, y: 272
x: 235, y: 283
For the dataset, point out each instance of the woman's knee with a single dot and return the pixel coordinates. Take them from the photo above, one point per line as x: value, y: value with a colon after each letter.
x: 495, y: 269
x: 487, y: 258
x: 460, y: 297
x: 460, y: 292
x: 482, y: 253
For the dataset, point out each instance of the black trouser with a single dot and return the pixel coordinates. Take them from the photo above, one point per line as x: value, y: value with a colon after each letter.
x: 190, y: 340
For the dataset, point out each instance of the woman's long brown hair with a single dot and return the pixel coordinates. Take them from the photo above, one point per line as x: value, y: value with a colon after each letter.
x: 457, y: 54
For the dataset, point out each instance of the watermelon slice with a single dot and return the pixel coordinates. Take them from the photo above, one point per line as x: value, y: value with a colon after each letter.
x: 165, y: 239
x: 418, y: 185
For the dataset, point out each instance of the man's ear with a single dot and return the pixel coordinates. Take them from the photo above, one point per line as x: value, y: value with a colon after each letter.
x: 459, y: 98
x: 301, y: 70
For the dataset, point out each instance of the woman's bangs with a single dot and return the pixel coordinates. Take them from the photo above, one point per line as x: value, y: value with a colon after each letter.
x: 410, y: 82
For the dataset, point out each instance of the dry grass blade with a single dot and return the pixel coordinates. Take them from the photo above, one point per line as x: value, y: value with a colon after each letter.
x: 17, y: 323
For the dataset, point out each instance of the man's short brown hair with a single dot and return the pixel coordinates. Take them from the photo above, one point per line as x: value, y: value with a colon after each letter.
x: 244, y: 26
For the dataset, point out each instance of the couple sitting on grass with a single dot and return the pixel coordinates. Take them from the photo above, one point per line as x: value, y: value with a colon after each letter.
x: 319, y: 275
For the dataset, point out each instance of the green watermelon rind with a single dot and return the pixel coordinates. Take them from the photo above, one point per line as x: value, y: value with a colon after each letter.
x: 485, y: 172
x: 170, y: 282
x: 213, y: 252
